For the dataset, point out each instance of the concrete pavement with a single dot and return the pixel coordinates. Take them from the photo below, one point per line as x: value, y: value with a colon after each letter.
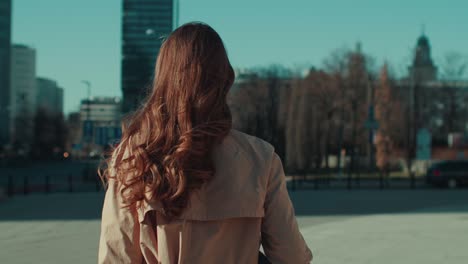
x: 429, y: 226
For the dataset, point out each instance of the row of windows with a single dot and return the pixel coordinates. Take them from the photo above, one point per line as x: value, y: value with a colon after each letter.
x: 142, y: 39
x: 141, y: 45
x: 147, y: 12
x: 143, y: 25
x: 4, y: 39
x: 147, y: 9
x: 138, y: 37
x: 148, y: 21
x: 145, y: 33
x: 149, y: 4
x: 131, y: 73
x: 139, y: 4
x: 153, y: 15
x: 5, y: 20
x: 5, y: 11
x: 147, y: 1
x: 129, y: 52
x: 140, y: 54
x: 158, y: 9
x: 132, y: 81
x: 22, y: 60
x: 148, y: 30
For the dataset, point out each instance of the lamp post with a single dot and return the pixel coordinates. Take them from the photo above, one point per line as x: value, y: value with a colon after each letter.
x: 88, y: 117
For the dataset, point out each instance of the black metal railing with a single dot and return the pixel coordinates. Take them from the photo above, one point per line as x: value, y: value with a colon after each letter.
x: 37, y: 183
x: 375, y: 181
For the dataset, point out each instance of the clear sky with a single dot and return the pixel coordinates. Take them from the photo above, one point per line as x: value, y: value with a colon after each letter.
x: 77, y: 40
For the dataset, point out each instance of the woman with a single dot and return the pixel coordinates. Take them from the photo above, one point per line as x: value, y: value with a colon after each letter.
x: 183, y: 187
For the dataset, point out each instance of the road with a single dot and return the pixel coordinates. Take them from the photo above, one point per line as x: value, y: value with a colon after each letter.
x: 359, y: 226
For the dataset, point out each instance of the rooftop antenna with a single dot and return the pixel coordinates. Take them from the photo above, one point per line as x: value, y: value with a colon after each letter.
x: 423, y: 29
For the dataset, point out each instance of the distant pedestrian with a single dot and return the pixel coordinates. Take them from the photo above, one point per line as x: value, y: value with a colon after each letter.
x: 183, y: 186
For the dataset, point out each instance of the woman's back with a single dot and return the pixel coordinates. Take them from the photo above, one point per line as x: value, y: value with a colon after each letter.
x: 183, y: 187
x: 245, y: 204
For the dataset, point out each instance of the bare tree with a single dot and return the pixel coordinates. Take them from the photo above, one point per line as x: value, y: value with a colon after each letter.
x: 389, y: 116
x: 23, y: 126
x: 255, y: 102
x: 335, y: 65
x: 50, y: 134
x: 358, y: 81
x: 454, y: 66
x: 324, y: 97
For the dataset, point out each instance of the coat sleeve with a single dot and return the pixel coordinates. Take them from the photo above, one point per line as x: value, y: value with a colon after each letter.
x: 281, y: 238
x: 120, y: 230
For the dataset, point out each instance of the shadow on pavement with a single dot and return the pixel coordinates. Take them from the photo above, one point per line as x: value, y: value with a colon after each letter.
x: 362, y: 202
x: 58, y: 206
x: 87, y: 206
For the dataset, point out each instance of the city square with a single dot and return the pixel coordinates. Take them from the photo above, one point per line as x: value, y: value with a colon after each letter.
x: 363, y: 105
x: 359, y: 226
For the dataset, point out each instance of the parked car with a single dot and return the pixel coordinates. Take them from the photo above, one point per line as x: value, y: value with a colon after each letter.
x: 450, y: 173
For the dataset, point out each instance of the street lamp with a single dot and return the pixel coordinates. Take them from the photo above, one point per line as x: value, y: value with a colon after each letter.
x: 87, y: 121
x: 88, y: 86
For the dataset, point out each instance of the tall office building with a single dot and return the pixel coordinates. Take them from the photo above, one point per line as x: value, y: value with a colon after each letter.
x: 5, y: 43
x: 49, y: 96
x: 23, y: 94
x: 144, y: 24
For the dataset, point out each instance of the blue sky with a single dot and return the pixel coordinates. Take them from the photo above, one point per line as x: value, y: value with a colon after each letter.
x: 78, y: 40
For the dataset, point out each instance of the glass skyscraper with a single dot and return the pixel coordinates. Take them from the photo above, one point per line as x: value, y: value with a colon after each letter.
x: 144, y: 25
x: 5, y: 43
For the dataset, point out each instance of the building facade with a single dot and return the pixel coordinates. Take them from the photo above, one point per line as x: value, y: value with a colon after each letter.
x: 75, y: 132
x: 423, y: 69
x: 49, y: 96
x: 23, y: 94
x: 100, y: 118
x: 434, y: 104
x: 144, y: 25
x: 5, y: 44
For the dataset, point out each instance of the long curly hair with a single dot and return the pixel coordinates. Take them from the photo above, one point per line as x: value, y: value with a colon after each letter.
x: 166, y: 145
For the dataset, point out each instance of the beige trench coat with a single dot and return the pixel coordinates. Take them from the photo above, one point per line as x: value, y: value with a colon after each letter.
x: 246, y: 205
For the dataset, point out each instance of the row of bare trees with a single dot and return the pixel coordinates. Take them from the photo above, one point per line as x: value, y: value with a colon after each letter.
x: 50, y: 134
x: 314, y: 116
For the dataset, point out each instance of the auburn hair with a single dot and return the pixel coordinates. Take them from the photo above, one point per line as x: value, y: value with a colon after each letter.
x: 166, y: 145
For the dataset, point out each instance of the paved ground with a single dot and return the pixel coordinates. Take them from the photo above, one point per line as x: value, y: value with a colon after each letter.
x: 368, y: 226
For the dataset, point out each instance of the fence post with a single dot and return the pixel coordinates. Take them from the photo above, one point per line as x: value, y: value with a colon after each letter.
x: 293, y: 183
x: 70, y: 183
x: 358, y: 178
x: 47, y: 184
x: 97, y: 183
x: 10, y: 186
x: 381, y: 179
x: 25, y: 187
x: 349, y: 181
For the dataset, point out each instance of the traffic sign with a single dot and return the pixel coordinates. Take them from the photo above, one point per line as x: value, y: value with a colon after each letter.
x: 423, y: 144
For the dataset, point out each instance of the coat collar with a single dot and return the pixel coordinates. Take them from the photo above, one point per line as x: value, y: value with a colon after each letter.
x: 147, y: 206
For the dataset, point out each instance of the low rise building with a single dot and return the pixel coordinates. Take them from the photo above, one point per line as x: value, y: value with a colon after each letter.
x: 100, y: 122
